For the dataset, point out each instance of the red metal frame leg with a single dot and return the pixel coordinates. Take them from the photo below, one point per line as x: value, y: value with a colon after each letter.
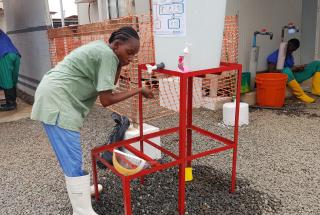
x: 182, y: 144
x: 234, y: 168
x: 236, y: 134
x: 95, y: 176
x: 126, y: 196
x: 189, y: 119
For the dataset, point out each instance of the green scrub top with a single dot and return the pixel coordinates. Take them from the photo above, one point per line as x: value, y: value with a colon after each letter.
x: 67, y: 92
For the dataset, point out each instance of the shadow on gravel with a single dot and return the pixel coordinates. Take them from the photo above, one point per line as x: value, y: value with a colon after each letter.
x: 208, y: 193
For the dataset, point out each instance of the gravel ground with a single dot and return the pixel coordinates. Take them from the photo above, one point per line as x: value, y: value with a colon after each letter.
x: 278, y: 168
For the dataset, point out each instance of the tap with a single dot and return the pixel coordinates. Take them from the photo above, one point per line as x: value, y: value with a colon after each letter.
x: 262, y: 32
x: 292, y: 29
x: 151, y: 68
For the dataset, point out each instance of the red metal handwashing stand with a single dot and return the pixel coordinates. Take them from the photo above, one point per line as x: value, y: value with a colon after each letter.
x: 185, y: 138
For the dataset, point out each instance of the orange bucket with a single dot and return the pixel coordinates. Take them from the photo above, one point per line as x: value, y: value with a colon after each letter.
x: 271, y: 89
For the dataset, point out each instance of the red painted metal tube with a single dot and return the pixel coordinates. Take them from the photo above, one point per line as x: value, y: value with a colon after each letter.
x: 162, y: 149
x: 209, y: 152
x: 110, y: 147
x: 210, y: 71
x: 126, y: 196
x: 223, y: 67
x: 142, y: 155
x: 141, y: 173
x: 212, y: 135
x: 189, y: 119
x: 95, y: 176
x: 170, y: 72
x: 155, y: 169
x: 160, y: 133
x: 230, y: 66
x: 104, y: 162
x: 182, y: 144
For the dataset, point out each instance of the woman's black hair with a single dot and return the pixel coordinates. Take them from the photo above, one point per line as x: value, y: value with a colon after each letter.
x: 124, y: 34
x: 295, y: 42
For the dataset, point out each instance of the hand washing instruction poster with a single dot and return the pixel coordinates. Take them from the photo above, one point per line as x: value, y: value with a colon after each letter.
x: 169, y: 18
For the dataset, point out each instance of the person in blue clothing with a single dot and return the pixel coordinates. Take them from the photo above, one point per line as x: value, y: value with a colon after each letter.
x: 9, y: 71
x: 297, y: 74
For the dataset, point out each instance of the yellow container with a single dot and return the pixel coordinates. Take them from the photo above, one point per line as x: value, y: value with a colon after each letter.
x: 188, y: 176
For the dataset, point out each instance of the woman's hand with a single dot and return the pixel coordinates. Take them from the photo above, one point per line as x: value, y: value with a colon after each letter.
x: 109, y: 98
x: 147, y: 93
x: 298, y: 68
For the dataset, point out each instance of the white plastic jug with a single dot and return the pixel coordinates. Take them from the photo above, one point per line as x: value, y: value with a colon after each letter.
x: 148, y: 149
x: 229, y: 110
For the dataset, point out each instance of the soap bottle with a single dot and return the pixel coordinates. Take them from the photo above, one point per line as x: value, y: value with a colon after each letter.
x: 184, y: 59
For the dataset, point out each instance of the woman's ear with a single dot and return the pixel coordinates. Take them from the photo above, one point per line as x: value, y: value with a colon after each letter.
x: 116, y: 44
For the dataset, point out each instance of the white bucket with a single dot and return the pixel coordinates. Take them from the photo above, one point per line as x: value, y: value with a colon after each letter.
x: 229, y: 110
x: 202, y: 28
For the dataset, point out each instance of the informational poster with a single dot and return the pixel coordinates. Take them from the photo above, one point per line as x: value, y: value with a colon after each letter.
x: 169, y: 17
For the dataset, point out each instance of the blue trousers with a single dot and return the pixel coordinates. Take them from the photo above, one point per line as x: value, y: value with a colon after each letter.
x: 67, y: 147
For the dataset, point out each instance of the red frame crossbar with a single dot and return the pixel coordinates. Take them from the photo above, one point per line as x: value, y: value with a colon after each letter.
x: 185, y: 156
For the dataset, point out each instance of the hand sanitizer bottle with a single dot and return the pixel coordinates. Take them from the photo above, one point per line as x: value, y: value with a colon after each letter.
x: 184, y: 60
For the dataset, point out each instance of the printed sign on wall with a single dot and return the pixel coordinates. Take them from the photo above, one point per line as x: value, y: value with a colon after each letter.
x: 169, y: 17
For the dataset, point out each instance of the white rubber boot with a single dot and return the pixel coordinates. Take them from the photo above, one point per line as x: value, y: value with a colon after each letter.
x: 79, y: 194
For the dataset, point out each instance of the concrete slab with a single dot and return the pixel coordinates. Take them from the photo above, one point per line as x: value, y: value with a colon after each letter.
x: 249, y: 98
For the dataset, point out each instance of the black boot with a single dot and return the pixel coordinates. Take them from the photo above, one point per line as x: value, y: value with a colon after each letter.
x: 10, y: 96
x: 15, y: 93
x: 10, y: 104
x: 2, y: 100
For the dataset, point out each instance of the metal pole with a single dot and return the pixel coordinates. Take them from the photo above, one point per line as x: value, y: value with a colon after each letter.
x: 182, y: 144
x: 189, y: 119
x: 100, y: 10
x: 117, y: 8
x: 236, y: 133
x: 62, y: 14
x: 109, y: 10
x: 126, y: 196
x: 95, y: 175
